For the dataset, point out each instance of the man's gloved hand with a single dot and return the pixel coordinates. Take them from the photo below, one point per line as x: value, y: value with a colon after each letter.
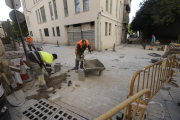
x: 82, y: 56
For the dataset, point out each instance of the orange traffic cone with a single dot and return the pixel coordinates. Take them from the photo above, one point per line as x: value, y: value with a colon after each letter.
x: 43, y: 42
x: 23, y: 73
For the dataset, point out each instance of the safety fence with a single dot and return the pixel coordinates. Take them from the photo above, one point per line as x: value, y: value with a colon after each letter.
x: 176, y: 69
x: 126, y: 104
x: 152, y: 78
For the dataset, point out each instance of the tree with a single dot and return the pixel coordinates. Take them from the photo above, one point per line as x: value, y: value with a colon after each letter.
x: 23, y: 28
x: 129, y: 29
x: 155, y: 14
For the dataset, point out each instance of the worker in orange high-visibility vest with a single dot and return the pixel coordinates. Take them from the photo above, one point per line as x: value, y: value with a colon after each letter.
x: 30, y: 43
x: 79, y: 52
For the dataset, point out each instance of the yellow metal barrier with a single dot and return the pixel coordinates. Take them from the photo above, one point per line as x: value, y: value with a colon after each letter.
x: 152, y: 77
x: 108, y: 115
x: 148, y: 80
x: 176, y: 69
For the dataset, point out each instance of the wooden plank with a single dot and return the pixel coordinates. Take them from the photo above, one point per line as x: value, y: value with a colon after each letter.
x: 14, y: 69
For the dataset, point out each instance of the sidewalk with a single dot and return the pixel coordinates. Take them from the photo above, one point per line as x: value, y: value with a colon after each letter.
x: 98, y: 94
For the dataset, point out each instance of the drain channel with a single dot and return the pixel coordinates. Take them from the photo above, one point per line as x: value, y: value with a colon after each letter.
x: 42, y: 110
x: 64, y: 114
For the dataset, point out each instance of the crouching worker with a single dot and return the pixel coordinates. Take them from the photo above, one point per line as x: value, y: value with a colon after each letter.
x: 37, y: 60
x: 79, y: 52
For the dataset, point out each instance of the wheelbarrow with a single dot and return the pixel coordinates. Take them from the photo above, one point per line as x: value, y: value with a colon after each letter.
x: 93, y: 65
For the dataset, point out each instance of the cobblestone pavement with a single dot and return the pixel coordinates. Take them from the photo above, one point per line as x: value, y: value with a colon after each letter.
x: 98, y: 94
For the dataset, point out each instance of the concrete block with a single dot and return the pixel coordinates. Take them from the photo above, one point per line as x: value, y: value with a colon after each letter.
x: 166, y: 95
x: 81, y: 75
x: 68, y: 73
x: 57, y: 67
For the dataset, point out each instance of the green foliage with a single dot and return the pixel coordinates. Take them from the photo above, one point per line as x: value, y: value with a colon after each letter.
x: 129, y: 29
x: 154, y: 14
x: 23, y: 28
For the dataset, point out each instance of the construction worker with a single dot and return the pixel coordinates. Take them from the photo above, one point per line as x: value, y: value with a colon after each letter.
x: 38, y: 59
x: 30, y: 43
x: 79, y: 52
x: 153, y: 40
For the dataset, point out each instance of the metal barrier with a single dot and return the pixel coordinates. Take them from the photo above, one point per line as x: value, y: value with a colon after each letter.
x: 126, y: 104
x: 152, y: 77
x: 147, y: 80
x: 176, y: 69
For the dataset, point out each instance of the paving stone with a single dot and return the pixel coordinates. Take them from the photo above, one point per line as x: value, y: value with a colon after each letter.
x: 167, y: 118
x: 166, y: 95
x: 172, y: 108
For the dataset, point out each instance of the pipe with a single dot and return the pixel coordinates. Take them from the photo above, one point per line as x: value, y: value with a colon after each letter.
x: 98, y: 31
x: 22, y: 39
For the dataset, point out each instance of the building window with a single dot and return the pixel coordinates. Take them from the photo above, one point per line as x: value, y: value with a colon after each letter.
x: 39, y: 16
x: 77, y: 6
x: 111, y: 6
x: 55, y: 9
x: 28, y: 22
x: 65, y: 8
x: 109, y: 28
x: 53, y: 31
x: 107, y: 5
x: 120, y: 10
x: 85, y: 5
x: 51, y: 12
x: 43, y: 14
x: 30, y: 33
x: 46, y: 32
x: 106, y: 29
x: 58, y: 31
x: 116, y: 7
x: 115, y: 29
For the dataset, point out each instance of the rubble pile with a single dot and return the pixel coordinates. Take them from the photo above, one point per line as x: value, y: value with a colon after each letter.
x: 14, y: 55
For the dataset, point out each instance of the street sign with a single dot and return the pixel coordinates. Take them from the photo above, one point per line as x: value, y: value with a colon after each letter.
x: 9, y: 3
x: 19, y: 15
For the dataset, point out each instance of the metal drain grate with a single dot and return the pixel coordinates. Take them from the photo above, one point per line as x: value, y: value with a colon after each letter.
x: 64, y: 114
x: 42, y: 110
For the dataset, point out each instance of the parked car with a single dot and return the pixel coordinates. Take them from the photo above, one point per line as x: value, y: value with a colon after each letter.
x: 132, y: 38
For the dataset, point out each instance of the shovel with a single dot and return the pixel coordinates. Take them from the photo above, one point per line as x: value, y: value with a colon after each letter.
x: 16, y: 98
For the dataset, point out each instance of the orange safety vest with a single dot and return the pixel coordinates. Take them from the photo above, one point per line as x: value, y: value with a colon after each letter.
x: 80, y: 43
x: 30, y: 41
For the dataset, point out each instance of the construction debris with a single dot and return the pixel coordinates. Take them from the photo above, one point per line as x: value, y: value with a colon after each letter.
x: 174, y: 49
x: 154, y: 54
x: 14, y: 55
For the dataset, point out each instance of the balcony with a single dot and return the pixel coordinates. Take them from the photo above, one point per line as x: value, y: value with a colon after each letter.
x: 128, y: 5
x: 126, y: 19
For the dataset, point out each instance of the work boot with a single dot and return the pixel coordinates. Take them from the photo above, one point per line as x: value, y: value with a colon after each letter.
x: 45, y: 88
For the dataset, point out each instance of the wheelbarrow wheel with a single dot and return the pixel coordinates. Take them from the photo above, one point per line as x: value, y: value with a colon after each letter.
x: 100, y: 73
x: 86, y: 74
